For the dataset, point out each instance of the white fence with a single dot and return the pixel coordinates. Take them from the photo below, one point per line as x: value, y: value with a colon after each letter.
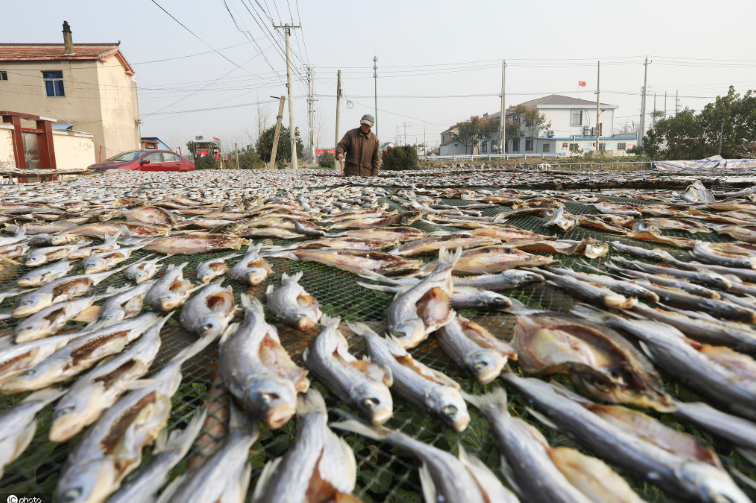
x: 488, y: 157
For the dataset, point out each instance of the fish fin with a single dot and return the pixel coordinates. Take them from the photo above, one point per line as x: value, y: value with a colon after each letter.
x: 542, y: 419
x: 500, y: 218
x: 140, y: 383
x: 448, y: 256
x: 362, y: 428
x: 268, y: 470
x: 443, y: 378
x: 45, y: 396
x: 246, y: 300
x: 171, y: 489
x: 592, y: 314
x: 306, y: 354
x: 294, y: 278
x: 509, y: 475
x: 240, y: 420
x: 7, y: 341
x: 242, y: 486
x: 746, y: 480
x: 271, y: 288
x: 182, y: 440
x: 427, y: 483
x: 310, y: 402
x: 520, y: 308
x: 644, y: 347
x: 381, y: 288
x: 496, y: 399
x: 361, y: 329
x: 389, y: 376
x: 332, y: 321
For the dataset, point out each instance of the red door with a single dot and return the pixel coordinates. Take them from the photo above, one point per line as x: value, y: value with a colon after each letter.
x: 171, y: 162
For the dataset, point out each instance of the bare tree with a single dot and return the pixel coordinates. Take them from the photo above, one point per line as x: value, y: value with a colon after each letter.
x: 263, y: 116
x: 321, y: 127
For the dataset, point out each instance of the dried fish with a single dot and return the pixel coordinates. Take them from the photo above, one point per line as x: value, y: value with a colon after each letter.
x: 209, y: 312
x: 414, y: 382
x: 382, y: 233
x: 252, y: 269
x: 211, y: 269
x: 109, y: 244
x: 194, y: 243
x: 652, y: 254
x: 705, y: 278
x: 446, y: 240
x: 589, y: 290
x: 171, y: 290
x: 50, y: 320
x: 151, y: 215
x: 292, y: 304
x: 506, y: 280
x: 401, y: 219
x: 493, y: 259
x: 354, y: 261
x: 45, y: 275
x: 144, y: 270
x: 560, y: 218
x: 626, y: 288
x: 98, y: 262
x: 104, y: 229
x: 707, y: 253
x: 40, y: 256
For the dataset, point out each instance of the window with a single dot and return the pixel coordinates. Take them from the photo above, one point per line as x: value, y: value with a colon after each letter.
x: 3, y: 75
x: 528, y: 123
x: 621, y: 146
x: 484, y: 149
x: 170, y: 157
x: 131, y: 155
x: 154, y: 157
x: 456, y: 144
x: 546, y: 147
x: 528, y: 144
x: 515, y: 145
x: 574, y: 147
x: 602, y: 146
x: 53, y: 83
x: 577, y: 118
x: 516, y: 119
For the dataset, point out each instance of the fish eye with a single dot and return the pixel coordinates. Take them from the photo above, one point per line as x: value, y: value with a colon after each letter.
x: 269, y: 397
x: 207, y: 326
x: 71, y: 495
x: 480, y: 365
x: 449, y: 410
x: 64, y: 411
x: 371, y: 402
x: 30, y: 372
x: 600, y: 385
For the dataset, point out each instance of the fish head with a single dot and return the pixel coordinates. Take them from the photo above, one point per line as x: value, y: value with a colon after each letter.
x: 521, y: 278
x: 168, y: 301
x: 93, y: 266
x: 494, y: 300
x: 35, y: 260
x: 409, y: 333
x: 32, y: 303
x: 256, y: 275
x: 110, y: 317
x: 712, y: 484
x: 213, y: 323
x: 374, y: 401
x: 87, y: 483
x: 37, y: 377
x: 486, y: 364
x: 272, y: 398
x: 30, y: 329
x: 716, y: 280
x: 75, y: 411
x: 449, y: 404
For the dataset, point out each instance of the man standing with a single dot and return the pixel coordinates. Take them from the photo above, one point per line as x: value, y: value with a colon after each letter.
x: 361, y: 148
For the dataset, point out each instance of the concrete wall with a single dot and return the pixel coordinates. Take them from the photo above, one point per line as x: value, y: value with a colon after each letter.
x: 99, y: 98
x: 454, y: 148
x: 561, y: 120
x: 7, y: 159
x: 73, y: 151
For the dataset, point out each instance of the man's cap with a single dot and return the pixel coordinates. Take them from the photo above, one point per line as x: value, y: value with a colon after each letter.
x: 367, y: 119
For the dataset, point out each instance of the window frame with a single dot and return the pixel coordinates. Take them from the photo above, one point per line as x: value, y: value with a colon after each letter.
x: 145, y: 158
x: 516, y: 145
x: 622, y: 146
x: 3, y: 76
x: 546, y: 148
x: 54, y: 84
x: 602, y: 146
x: 528, y: 144
x: 572, y: 118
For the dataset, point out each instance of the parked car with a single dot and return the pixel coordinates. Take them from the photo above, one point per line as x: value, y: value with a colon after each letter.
x: 146, y: 160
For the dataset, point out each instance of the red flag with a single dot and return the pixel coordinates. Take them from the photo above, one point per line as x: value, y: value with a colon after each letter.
x: 218, y: 139
x: 581, y: 83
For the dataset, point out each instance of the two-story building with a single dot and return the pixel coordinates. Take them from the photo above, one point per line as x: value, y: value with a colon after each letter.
x: 89, y: 86
x: 453, y: 146
x: 572, y: 131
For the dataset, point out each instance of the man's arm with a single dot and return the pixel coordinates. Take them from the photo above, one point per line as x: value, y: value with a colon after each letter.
x: 343, y: 145
x: 376, y: 159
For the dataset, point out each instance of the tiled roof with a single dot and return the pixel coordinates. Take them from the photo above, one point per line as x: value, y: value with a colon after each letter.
x: 11, y: 52
x: 558, y: 99
x: 450, y: 141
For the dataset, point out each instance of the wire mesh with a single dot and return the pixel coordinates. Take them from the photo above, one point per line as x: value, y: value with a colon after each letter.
x: 384, y: 474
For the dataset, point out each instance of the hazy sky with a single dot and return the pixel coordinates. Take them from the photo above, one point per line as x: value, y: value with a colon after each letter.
x: 439, y: 62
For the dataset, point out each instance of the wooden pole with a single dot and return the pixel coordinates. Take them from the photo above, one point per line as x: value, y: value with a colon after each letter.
x: 236, y: 147
x: 278, y: 132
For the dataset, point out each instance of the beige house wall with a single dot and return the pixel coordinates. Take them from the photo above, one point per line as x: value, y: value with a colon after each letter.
x: 73, y: 151
x: 7, y: 159
x: 100, y: 98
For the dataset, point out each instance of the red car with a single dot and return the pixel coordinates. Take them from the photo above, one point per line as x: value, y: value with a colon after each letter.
x: 146, y: 160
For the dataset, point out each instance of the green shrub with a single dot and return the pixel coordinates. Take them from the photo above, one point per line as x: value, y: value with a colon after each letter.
x: 400, y: 158
x: 207, y: 162
x: 327, y: 160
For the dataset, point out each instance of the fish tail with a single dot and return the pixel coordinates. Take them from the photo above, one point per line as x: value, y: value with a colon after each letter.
x: 496, y: 399
x: 380, y: 288
x: 45, y: 396
x: 310, y: 402
x: 362, y: 428
x: 182, y: 440
x: 361, y: 329
x: 448, y: 256
x: 294, y: 278
x: 271, y: 288
x: 332, y: 321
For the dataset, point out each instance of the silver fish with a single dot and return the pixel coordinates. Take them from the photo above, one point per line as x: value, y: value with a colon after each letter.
x: 318, y: 456
x: 292, y: 304
x: 48, y: 321
x: 462, y: 297
x: 171, y: 290
x: 211, y: 269
x: 112, y: 447
x: 44, y: 275
x: 705, y: 278
x: 225, y: 474
x: 18, y: 236
x: 416, y: 383
x: 40, y: 256
x: 443, y: 477
x: 301, y: 229
x: 648, y: 458
x: 15, y: 359
x: 409, y: 321
x: 473, y: 347
x: 724, y: 376
x: 592, y: 292
x: 20, y: 425
x: 99, y: 389
x: 209, y: 312
x: 141, y: 271
x: 75, y: 357
x: 540, y: 473
x: 703, y: 251
x: 257, y: 370
x: 109, y: 244
x: 120, y: 305
x: 626, y: 288
x: 362, y: 383
x: 506, y: 280
x: 652, y: 254
x: 98, y: 262
x: 42, y: 240
x: 740, y: 432
x: 60, y: 290
x: 560, y: 218
x: 251, y: 269
x: 167, y: 453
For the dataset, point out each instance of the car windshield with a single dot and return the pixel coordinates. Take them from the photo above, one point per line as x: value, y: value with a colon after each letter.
x: 128, y: 156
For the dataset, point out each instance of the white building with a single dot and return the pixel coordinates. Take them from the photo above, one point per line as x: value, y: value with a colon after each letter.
x: 572, y: 131
x: 452, y: 146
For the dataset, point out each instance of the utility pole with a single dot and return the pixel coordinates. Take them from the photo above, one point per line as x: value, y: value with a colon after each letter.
x: 425, y: 142
x: 665, y: 104
x: 236, y: 147
x: 643, y: 105
x: 677, y: 103
x: 375, y: 78
x: 292, y: 128
x: 721, y: 134
x: 653, y: 118
x: 278, y: 132
x: 503, y: 118
x: 311, y: 115
x: 338, y: 112
x: 598, y: 106
x: 405, y: 132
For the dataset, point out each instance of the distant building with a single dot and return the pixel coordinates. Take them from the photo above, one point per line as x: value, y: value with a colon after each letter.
x: 453, y: 147
x: 90, y: 86
x: 386, y: 145
x: 153, y: 142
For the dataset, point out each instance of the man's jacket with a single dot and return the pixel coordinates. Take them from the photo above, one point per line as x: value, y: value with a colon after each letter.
x: 362, y: 155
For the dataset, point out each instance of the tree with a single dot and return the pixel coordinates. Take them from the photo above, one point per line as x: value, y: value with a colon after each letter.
x: 327, y: 160
x: 265, y: 146
x: 207, y: 162
x: 688, y: 135
x: 469, y: 133
x: 400, y: 158
x: 490, y: 130
x: 249, y: 159
x: 535, y: 122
